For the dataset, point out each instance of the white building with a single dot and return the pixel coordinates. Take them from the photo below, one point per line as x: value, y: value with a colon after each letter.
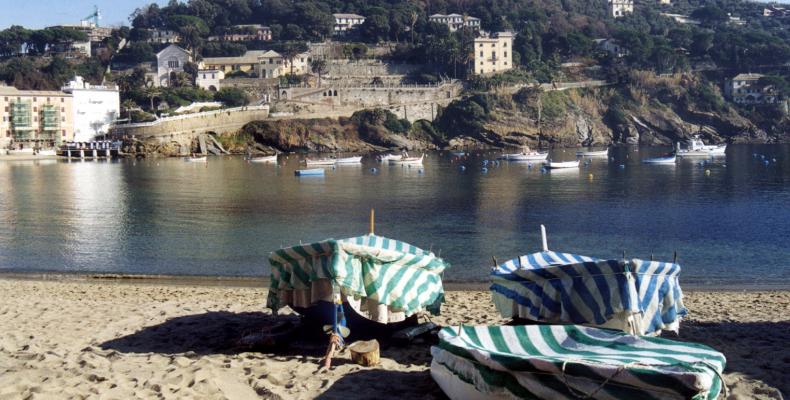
x: 456, y: 21
x: 209, y: 79
x: 747, y: 89
x: 619, y: 8
x: 612, y: 47
x: 493, y: 54
x: 169, y: 62
x: 163, y: 36
x: 94, y: 110
x: 347, y: 22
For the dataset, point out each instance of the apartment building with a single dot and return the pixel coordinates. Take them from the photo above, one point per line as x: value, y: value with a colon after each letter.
x: 35, y: 118
x: 347, y: 22
x: 456, y: 21
x: 493, y: 54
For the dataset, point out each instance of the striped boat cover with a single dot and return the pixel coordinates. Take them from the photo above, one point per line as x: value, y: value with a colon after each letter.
x: 635, y: 296
x: 571, y: 361
x: 392, y: 273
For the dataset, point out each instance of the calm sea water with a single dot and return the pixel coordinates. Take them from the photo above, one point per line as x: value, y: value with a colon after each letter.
x: 730, y: 227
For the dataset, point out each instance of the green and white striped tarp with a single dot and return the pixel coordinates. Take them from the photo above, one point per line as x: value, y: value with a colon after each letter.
x: 572, y: 361
x: 392, y: 273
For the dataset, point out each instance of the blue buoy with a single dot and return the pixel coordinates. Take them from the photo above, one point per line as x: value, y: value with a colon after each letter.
x: 543, y: 170
x: 622, y: 166
x: 419, y: 171
x: 766, y: 162
x: 462, y: 168
x: 774, y: 160
x: 484, y: 170
x: 373, y: 170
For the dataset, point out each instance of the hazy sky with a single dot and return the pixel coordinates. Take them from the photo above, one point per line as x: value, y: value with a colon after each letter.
x: 43, y: 13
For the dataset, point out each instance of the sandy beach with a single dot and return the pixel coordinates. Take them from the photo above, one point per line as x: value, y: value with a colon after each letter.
x: 82, y: 338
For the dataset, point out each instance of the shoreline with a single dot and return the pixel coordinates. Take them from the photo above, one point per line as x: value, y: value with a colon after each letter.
x: 263, y: 282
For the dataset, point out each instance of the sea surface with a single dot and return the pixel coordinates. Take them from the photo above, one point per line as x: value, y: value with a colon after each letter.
x: 728, y: 220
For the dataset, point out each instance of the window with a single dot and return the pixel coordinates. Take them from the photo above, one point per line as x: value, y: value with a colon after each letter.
x: 34, y: 99
x: 505, y: 54
x: 172, y: 64
x: 35, y: 109
x: 48, y: 99
x: 62, y: 100
x: 63, y: 119
x: 64, y: 133
x: 62, y: 109
x: 481, y: 54
x: 8, y: 133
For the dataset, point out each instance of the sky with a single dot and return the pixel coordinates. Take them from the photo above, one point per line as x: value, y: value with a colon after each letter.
x: 38, y: 14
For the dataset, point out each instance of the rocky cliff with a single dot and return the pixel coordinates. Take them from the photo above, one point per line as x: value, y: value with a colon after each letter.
x: 646, y: 109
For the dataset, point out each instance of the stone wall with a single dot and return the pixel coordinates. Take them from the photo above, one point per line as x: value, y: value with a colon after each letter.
x: 183, y: 129
x: 369, y: 68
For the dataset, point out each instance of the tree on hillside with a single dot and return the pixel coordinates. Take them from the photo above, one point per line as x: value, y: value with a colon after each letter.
x: 319, y: 67
x: 710, y: 15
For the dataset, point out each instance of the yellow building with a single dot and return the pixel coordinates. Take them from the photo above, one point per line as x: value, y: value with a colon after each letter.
x: 259, y: 63
x: 493, y: 54
x: 35, y: 118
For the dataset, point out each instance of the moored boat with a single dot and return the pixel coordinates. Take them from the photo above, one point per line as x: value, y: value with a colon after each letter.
x: 409, y: 160
x: 562, y: 164
x: 349, y: 160
x: 697, y: 148
x: 309, y: 172
x: 196, y: 159
x: 527, y: 156
x: 390, y: 157
x: 263, y: 159
x: 592, y: 153
x: 671, y: 159
x: 320, y: 161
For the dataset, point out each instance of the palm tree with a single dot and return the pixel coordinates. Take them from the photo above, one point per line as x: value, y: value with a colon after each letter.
x: 128, y: 105
x: 151, y: 91
x: 319, y: 67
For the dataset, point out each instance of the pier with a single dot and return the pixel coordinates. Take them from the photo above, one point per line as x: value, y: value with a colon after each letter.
x: 102, y: 149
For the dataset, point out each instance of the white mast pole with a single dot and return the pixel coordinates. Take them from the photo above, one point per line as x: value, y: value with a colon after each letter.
x: 543, y: 236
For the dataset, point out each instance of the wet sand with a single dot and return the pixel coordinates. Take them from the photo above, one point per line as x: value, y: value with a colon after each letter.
x: 119, y: 339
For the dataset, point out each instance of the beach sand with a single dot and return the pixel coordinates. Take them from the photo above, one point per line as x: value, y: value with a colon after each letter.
x: 99, y: 339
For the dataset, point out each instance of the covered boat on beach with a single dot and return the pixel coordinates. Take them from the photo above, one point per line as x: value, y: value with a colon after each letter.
x: 369, y: 284
x: 571, y: 361
x: 635, y: 296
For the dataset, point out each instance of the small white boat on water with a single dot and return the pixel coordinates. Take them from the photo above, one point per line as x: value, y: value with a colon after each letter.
x: 320, y: 161
x: 196, y: 159
x: 528, y: 156
x: 263, y: 159
x: 697, y: 148
x: 562, y: 164
x: 349, y: 160
x: 592, y: 153
x: 309, y: 172
x: 390, y: 157
x: 661, y: 160
x: 409, y: 160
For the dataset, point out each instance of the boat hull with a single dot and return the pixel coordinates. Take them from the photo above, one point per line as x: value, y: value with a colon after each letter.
x: 409, y: 160
x: 309, y: 172
x: 562, y: 165
x: 320, y: 162
x: 349, y: 160
x: 660, y: 160
x: 527, y: 157
x: 268, y: 159
x: 601, y: 153
x: 196, y: 159
x: 391, y: 157
x: 720, y: 151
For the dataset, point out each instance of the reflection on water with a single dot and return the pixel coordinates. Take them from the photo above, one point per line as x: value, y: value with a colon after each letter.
x: 728, y: 219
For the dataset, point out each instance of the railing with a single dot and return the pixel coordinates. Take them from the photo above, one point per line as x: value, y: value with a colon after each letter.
x: 193, y: 115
